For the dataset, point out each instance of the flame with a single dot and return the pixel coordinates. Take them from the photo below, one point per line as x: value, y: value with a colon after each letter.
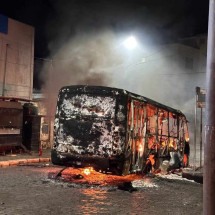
x: 187, y: 139
x: 171, y: 142
x: 151, y: 159
x: 140, y: 148
x: 185, y: 160
x: 163, y: 144
x: 87, y: 171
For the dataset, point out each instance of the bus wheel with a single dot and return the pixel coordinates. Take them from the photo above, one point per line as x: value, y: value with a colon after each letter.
x: 54, y: 158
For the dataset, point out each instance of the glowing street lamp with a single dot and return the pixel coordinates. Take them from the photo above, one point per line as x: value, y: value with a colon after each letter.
x: 130, y: 43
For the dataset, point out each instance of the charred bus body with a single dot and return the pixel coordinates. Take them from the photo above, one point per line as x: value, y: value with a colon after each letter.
x: 115, y: 130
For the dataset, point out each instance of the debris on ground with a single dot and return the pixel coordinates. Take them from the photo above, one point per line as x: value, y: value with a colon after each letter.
x: 92, y: 177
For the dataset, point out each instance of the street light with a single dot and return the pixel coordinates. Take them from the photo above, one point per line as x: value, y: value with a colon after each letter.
x: 130, y: 42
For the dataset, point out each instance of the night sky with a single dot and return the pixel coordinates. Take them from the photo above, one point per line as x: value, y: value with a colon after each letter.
x: 153, y: 21
x: 165, y: 20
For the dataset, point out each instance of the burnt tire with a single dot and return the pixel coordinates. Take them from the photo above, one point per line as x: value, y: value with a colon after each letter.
x: 55, y: 158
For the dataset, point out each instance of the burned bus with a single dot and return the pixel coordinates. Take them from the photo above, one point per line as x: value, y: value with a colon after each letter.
x: 115, y: 131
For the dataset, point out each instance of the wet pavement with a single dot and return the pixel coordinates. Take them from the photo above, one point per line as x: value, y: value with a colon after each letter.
x: 27, y: 190
x: 17, y: 158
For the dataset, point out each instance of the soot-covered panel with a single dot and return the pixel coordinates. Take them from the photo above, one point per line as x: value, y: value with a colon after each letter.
x: 89, y: 124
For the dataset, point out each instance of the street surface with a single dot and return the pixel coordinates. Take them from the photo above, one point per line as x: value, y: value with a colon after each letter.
x: 27, y: 190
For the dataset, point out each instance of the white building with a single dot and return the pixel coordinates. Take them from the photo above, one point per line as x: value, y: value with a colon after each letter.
x: 16, y: 58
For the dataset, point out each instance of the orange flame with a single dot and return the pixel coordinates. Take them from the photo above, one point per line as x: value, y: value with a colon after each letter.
x: 185, y: 160
x: 151, y: 160
x: 140, y: 148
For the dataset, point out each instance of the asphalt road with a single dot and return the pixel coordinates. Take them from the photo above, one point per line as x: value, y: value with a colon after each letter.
x: 27, y: 190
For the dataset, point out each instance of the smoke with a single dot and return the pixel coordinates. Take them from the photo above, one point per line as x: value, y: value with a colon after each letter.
x: 98, y: 59
x: 86, y: 59
x: 91, y: 55
x: 165, y: 77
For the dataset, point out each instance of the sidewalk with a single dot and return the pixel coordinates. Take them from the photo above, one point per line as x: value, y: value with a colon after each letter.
x: 12, y: 159
x: 195, y: 174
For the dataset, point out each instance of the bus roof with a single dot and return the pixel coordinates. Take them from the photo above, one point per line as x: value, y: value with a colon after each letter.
x: 111, y: 91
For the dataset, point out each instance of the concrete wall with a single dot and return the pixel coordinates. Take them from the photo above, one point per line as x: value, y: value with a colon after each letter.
x: 16, y: 60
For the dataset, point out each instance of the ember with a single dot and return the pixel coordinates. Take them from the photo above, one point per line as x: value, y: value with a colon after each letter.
x: 140, y: 148
x: 87, y: 171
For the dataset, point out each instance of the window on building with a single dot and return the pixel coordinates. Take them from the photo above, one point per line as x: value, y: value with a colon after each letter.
x: 3, y: 24
x: 45, y: 128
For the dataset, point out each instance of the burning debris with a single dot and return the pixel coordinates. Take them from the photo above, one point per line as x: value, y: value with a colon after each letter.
x: 89, y: 177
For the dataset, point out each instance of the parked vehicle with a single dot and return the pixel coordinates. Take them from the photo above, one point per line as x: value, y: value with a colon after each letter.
x: 114, y: 130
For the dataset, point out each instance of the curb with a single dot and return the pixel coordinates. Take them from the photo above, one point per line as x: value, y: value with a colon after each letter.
x: 195, y: 176
x: 23, y: 161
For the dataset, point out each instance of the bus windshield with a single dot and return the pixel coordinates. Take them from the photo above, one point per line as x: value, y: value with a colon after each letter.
x: 84, y: 123
x: 85, y: 106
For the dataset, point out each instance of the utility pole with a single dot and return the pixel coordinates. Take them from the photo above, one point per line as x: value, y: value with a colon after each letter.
x: 209, y: 148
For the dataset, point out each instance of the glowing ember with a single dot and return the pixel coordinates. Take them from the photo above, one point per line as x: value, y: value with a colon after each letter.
x: 140, y: 148
x: 87, y: 171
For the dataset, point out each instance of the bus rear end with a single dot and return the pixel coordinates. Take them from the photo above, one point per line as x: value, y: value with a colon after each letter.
x: 89, y: 128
